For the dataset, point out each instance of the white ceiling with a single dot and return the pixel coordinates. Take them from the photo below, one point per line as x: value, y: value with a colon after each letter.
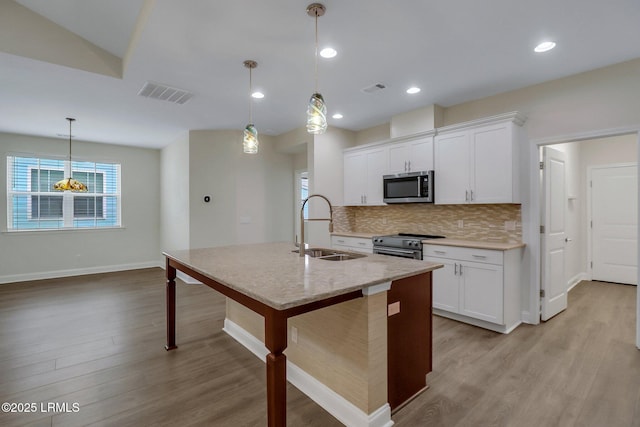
x: 455, y: 51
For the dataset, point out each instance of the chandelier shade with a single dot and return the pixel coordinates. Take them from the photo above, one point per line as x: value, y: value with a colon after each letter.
x: 70, y: 184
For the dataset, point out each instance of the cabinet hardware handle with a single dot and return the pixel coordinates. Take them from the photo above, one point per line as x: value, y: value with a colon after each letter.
x: 340, y: 241
x: 466, y: 195
x: 461, y: 269
x: 472, y: 195
x: 567, y: 240
x: 455, y: 269
x: 478, y: 256
x: 440, y: 252
x: 409, y: 168
x: 362, y: 243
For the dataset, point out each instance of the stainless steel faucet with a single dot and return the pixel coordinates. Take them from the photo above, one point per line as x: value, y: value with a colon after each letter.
x: 330, y: 219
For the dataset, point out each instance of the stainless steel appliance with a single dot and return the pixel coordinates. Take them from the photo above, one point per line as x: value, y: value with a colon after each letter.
x: 404, y: 245
x: 412, y: 187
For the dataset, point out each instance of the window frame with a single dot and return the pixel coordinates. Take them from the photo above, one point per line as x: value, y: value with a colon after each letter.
x: 110, y: 195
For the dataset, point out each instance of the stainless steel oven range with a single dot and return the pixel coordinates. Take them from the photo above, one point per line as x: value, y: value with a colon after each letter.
x: 404, y: 245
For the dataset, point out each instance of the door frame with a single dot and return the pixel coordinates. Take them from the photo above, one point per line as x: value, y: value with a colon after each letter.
x: 590, y: 170
x: 297, y: 200
x: 531, y: 213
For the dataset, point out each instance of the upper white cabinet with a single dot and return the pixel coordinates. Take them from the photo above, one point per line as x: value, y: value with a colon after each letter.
x: 411, y: 156
x: 365, y: 166
x: 477, y: 162
x: 363, y: 171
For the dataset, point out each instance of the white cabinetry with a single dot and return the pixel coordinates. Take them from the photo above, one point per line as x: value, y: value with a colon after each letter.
x: 411, y: 156
x: 477, y: 162
x: 363, y: 171
x: 477, y: 286
x: 352, y: 244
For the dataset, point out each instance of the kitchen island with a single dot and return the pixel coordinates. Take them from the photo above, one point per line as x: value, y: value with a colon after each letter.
x: 270, y: 284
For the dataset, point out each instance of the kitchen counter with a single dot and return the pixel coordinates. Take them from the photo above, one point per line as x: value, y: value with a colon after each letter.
x: 342, y: 315
x: 498, y: 246
x: 274, y: 275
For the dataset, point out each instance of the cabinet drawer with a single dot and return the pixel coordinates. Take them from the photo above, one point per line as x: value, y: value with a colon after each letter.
x: 464, y: 254
x: 354, y: 242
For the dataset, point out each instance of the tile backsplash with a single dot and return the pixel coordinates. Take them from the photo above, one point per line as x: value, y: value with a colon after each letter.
x: 493, y: 223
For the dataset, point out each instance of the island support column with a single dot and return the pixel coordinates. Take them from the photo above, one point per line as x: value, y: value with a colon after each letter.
x: 276, y: 341
x: 171, y: 307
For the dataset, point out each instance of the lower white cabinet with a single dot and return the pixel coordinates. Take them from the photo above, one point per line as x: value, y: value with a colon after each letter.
x: 352, y: 244
x: 477, y: 286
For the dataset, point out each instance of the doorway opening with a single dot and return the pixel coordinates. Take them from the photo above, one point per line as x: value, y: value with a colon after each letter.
x: 301, y: 189
x: 598, y: 212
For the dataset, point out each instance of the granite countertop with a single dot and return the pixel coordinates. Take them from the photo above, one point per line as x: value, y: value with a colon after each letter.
x: 273, y: 274
x: 476, y: 244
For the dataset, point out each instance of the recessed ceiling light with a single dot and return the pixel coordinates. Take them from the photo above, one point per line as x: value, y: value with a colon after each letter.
x: 412, y: 90
x: 544, y: 47
x: 257, y: 95
x: 328, y: 52
x: 337, y: 116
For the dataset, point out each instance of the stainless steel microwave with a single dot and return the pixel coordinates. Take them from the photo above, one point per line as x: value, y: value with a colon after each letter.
x: 413, y: 187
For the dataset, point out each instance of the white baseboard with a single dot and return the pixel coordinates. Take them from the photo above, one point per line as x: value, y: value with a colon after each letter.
x: 576, y: 279
x: 527, y: 318
x: 343, y: 410
x: 77, y: 272
x: 503, y: 329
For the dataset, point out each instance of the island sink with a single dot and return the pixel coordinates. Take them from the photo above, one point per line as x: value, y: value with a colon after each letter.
x: 330, y: 254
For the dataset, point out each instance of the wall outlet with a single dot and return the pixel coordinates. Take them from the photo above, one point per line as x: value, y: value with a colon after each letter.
x: 460, y: 223
x: 510, y: 225
x: 294, y: 334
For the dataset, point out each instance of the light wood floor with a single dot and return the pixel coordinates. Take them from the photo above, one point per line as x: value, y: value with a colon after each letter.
x: 98, y: 340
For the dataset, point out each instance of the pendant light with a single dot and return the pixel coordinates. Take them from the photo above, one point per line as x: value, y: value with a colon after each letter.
x: 316, y: 110
x: 70, y: 184
x: 250, y: 139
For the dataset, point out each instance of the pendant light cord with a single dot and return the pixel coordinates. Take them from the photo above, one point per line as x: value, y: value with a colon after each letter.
x: 316, y: 68
x: 250, y: 101
x: 69, y: 143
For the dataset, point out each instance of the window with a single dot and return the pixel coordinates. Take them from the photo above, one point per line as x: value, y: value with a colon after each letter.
x: 32, y: 204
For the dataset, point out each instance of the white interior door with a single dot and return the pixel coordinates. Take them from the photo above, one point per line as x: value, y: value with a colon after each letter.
x: 553, y: 240
x: 614, y: 223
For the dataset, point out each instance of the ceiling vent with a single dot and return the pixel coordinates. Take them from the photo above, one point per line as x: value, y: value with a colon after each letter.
x: 373, y: 88
x: 165, y: 93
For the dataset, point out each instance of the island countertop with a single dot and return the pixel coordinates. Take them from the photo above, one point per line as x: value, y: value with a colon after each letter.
x: 274, y: 275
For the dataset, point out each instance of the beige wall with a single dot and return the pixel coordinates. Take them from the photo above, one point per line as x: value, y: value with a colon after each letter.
x: 600, y: 99
x: 251, y: 195
x: 174, y: 210
x: 373, y: 134
x: 44, y: 254
x: 325, y: 167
